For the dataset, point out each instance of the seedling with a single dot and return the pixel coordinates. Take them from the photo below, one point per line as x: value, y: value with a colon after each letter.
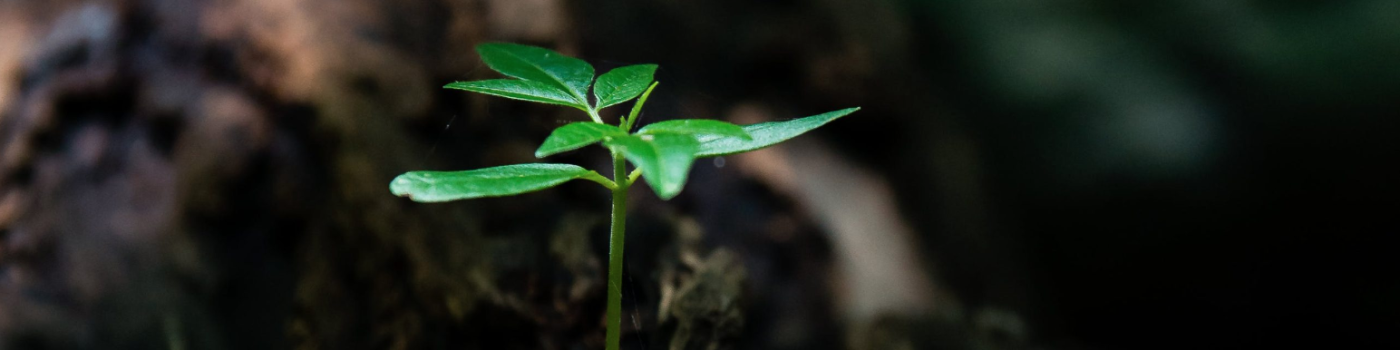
x: 662, y: 152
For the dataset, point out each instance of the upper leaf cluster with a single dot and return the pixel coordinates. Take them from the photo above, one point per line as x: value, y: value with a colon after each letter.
x: 663, y: 151
x: 542, y: 75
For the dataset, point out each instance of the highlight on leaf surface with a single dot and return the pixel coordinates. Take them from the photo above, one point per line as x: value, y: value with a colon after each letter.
x: 442, y: 186
x: 622, y: 84
x: 575, y: 135
x: 765, y: 134
x: 524, y: 90
x: 665, y: 159
x: 540, y: 65
x: 696, y: 127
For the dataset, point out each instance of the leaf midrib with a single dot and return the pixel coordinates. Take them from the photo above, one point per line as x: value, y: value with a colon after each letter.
x: 557, y: 79
x: 436, y: 180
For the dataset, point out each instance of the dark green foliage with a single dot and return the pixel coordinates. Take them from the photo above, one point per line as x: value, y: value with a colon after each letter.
x: 665, y: 159
x: 765, y: 134
x: 529, y: 63
x: 521, y: 90
x: 572, y: 136
x: 442, y: 186
x: 623, y: 84
x: 664, y: 150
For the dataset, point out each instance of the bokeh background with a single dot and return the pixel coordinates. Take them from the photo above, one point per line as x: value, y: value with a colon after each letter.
x: 1066, y: 174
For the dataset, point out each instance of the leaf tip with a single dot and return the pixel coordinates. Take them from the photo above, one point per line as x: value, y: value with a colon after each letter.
x: 668, y: 191
x: 400, y: 186
x: 455, y: 85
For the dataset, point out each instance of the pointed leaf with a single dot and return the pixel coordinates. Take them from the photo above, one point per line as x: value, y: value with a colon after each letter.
x: 520, y: 90
x: 765, y: 134
x: 665, y: 159
x: 539, y: 65
x: 442, y: 186
x: 622, y: 84
x: 572, y: 136
x: 696, y: 127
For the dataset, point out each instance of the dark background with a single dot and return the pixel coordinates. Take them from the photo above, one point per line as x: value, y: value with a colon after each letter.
x: 1072, y: 174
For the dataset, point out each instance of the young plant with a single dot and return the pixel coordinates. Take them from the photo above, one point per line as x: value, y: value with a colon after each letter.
x: 662, y: 152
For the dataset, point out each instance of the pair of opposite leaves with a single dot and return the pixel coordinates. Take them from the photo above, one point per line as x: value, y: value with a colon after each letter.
x: 664, y: 150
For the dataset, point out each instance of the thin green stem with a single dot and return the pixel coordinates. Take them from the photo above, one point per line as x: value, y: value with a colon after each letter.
x: 619, y: 221
x: 621, y: 181
x: 595, y: 177
x: 593, y: 113
x: 637, y: 107
x: 634, y: 175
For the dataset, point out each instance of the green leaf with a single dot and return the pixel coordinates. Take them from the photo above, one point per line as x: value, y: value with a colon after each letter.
x: 572, y: 136
x: 765, y: 134
x: 696, y: 127
x: 442, y: 186
x: 665, y: 159
x: 539, y: 65
x: 520, y: 90
x: 622, y: 84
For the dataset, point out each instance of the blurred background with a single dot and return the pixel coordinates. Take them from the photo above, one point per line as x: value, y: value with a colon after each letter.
x: 1090, y: 174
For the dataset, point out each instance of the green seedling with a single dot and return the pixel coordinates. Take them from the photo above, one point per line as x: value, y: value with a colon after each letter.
x: 662, y: 152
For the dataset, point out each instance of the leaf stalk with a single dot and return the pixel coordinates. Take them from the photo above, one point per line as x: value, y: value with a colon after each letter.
x: 637, y: 107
